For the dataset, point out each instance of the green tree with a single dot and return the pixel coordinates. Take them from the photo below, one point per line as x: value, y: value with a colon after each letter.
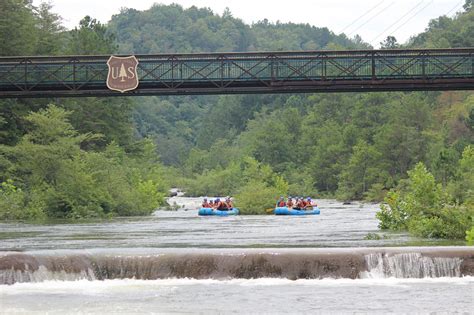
x: 389, y: 43
x: 360, y: 173
x: 424, y: 208
x: 56, y: 178
x: 15, y: 204
x: 110, y: 117
x: 446, y: 32
x: 462, y: 186
x: 17, y: 28
x: 468, y: 5
x: 50, y: 40
x: 92, y: 37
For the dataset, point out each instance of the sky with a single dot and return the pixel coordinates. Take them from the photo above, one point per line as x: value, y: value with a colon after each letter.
x: 374, y: 20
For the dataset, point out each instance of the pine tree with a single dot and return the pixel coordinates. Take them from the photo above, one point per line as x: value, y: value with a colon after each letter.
x: 123, y: 73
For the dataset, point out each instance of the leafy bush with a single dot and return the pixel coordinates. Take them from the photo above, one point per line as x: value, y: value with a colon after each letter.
x: 14, y: 204
x: 219, y: 181
x: 470, y: 236
x: 256, y: 197
x: 376, y: 193
x: 392, y: 214
x: 462, y: 188
x: 255, y: 186
x: 423, y: 208
x: 372, y: 236
x: 60, y: 180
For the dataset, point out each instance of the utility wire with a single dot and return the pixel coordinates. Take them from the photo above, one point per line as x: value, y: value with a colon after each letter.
x: 370, y: 19
x: 360, y: 17
x: 412, y: 17
x: 397, y: 21
x: 457, y: 5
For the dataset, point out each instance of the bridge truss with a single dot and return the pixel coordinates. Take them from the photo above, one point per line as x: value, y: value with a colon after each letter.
x: 261, y: 72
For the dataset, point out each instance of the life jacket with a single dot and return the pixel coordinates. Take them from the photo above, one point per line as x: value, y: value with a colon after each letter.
x: 221, y: 206
x: 301, y: 204
x: 290, y: 203
x: 206, y: 205
x: 281, y: 203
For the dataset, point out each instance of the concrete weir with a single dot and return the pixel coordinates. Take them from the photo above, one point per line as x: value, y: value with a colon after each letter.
x: 310, y: 263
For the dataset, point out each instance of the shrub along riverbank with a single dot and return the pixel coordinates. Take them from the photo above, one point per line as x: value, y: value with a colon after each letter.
x: 426, y: 208
x: 254, y: 184
x: 51, y: 176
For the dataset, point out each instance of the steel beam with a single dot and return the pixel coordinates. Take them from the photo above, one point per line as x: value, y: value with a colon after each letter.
x: 260, y: 72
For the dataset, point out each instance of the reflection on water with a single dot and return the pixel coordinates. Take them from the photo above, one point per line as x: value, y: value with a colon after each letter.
x: 338, y: 225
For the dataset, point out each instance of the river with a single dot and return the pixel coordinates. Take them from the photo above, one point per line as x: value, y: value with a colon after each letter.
x: 338, y: 226
x: 178, y: 262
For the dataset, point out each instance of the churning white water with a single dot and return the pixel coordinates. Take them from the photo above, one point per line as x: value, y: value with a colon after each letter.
x: 185, y: 296
x: 178, y: 262
x: 411, y: 265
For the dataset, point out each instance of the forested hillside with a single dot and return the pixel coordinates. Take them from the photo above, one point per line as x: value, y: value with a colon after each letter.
x: 76, y: 158
x: 448, y: 32
x: 349, y: 146
x: 171, y: 29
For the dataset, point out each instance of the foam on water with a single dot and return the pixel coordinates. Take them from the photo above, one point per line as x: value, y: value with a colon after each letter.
x: 411, y: 265
x: 222, y: 264
x: 265, y: 295
x: 83, y: 285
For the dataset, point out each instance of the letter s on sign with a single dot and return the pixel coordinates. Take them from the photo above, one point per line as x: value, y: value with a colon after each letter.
x: 131, y: 70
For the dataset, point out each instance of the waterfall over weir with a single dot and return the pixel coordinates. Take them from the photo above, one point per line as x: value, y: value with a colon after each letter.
x: 411, y: 265
x: 151, y: 264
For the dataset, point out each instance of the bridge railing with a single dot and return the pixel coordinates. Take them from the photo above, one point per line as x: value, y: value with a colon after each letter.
x: 227, y: 70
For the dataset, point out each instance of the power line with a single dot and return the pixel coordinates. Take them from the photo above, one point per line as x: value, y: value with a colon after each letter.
x: 412, y: 17
x: 360, y: 17
x: 457, y: 5
x: 373, y: 17
x: 397, y: 21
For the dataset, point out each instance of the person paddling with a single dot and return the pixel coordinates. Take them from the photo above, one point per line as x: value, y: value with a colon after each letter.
x: 205, y: 203
x: 217, y: 203
x: 228, y: 203
x: 281, y: 202
x: 289, y: 203
x: 308, y: 204
x: 299, y: 203
x: 220, y: 205
x: 295, y: 205
x: 302, y: 204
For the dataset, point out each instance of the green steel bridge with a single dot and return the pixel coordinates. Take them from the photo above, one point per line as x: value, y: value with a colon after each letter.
x: 260, y: 72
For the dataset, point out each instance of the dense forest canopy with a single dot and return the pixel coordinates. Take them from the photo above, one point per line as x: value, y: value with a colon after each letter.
x: 171, y: 29
x: 349, y: 146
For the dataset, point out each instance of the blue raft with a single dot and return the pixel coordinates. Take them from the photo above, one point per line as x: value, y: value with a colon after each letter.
x: 286, y: 211
x: 223, y: 213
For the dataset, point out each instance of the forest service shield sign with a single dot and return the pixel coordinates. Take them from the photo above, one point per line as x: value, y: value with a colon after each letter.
x: 122, y: 75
